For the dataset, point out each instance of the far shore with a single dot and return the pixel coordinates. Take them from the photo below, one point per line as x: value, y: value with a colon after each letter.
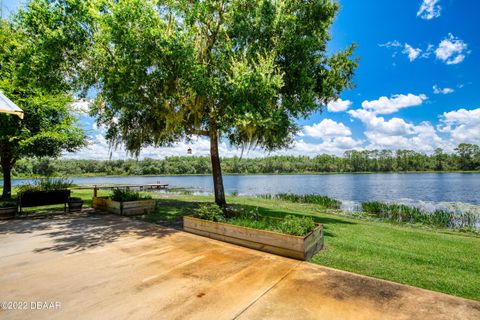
x: 238, y: 174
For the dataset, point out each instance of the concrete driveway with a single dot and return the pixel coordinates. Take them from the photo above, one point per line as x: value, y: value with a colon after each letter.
x: 108, y: 267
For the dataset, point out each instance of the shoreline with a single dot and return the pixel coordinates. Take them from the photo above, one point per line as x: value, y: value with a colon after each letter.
x: 242, y: 174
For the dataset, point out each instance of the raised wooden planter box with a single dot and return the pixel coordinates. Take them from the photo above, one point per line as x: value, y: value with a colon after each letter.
x: 129, y: 208
x: 302, y: 248
x: 8, y: 213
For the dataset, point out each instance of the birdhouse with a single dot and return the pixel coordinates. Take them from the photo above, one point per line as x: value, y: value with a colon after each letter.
x: 189, y: 151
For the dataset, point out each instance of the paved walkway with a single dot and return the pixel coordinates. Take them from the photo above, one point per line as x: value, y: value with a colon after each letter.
x: 108, y: 267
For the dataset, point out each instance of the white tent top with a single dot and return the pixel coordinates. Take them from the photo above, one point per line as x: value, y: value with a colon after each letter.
x: 7, y: 106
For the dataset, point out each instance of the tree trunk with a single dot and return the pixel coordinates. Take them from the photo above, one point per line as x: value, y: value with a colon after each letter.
x: 7, y: 178
x: 217, y: 170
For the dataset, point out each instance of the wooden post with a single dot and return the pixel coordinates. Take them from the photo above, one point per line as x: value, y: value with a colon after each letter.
x: 95, y: 191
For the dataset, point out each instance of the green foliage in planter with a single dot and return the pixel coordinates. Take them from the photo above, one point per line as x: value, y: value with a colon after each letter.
x: 293, y: 225
x: 48, y: 184
x: 127, y: 195
x: 209, y: 212
x: 7, y: 204
x: 298, y: 226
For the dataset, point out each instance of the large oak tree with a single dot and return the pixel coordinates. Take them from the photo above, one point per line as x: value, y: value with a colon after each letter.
x: 48, y: 127
x: 239, y: 70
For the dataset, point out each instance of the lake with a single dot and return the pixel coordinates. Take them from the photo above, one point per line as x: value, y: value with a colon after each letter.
x: 414, y: 187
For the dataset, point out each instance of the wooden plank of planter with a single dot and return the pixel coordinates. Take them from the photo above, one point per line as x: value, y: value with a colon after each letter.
x: 8, y: 213
x: 313, y: 243
x: 255, y: 235
x: 125, y: 208
x: 104, y: 203
x: 138, y: 207
x: 99, y: 202
x: 139, y: 204
x: 282, y: 244
x: 249, y: 244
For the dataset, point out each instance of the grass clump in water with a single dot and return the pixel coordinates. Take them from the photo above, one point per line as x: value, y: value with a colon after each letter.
x: 439, y: 218
x: 323, y: 201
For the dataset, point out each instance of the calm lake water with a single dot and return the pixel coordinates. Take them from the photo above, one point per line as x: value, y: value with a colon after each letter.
x: 429, y: 187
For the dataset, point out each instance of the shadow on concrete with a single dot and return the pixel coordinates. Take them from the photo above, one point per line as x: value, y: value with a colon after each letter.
x: 89, y: 229
x: 81, y: 231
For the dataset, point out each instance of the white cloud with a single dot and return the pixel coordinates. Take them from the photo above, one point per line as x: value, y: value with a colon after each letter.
x: 458, y: 126
x: 451, y: 50
x: 429, y: 9
x: 80, y: 107
x: 100, y: 149
x: 336, y: 145
x: 411, y: 52
x: 326, y: 128
x: 394, y: 126
x: 339, y: 105
x: 391, y: 44
x: 463, y: 125
x: 437, y: 90
x: 393, y: 104
x: 426, y: 54
x: 396, y: 133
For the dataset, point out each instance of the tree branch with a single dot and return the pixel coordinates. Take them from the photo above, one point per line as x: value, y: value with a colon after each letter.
x: 203, y: 133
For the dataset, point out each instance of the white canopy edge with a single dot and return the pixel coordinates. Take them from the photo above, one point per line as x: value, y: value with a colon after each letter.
x: 7, y: 106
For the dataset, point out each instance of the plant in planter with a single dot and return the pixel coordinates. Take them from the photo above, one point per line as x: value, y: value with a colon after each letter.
x: 47, y: 184
x: 8, y: 209
x: 293, y: 236
x: 44, y: 192
x: 125, y: 202
x: 127, y: 195
x: 75, y: 204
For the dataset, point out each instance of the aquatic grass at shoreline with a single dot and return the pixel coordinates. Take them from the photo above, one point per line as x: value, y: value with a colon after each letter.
x: 454, y: 218
x: 324, y: 201
x: 457, y: 220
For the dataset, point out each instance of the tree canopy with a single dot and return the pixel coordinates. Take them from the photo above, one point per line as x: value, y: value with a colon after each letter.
x: 48, y: 126
x: 241, y: 70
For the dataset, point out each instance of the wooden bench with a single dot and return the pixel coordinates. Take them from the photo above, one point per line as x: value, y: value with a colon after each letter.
x: 43, y: 198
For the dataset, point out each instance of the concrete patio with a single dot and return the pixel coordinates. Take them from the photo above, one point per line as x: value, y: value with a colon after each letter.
x: 108, y: 267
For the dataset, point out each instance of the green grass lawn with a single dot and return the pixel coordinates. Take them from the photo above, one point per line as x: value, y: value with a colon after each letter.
x: 429, y: 258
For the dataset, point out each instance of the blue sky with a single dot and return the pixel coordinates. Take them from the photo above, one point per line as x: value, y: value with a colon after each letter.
x: 416, y: 86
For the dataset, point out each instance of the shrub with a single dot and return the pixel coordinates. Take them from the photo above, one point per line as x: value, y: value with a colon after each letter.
x: 209, y: 212
x: 127, y: 195
x: 298, y: 226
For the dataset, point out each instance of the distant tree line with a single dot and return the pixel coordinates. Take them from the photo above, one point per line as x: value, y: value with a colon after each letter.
x: 466, y: 157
